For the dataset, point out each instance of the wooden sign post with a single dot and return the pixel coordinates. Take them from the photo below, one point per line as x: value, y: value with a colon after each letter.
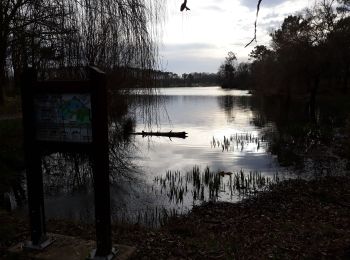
x: 67, y: 116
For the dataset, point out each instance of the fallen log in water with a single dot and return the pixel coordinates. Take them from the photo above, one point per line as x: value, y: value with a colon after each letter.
x: 167, y: 134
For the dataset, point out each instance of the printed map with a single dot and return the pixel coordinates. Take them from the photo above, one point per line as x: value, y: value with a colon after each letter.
x: 63, y: 118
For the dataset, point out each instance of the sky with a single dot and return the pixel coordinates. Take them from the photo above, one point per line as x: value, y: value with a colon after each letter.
x: 199, y: 40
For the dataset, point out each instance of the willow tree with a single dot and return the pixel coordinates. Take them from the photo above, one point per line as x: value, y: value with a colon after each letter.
x: 54, y: 34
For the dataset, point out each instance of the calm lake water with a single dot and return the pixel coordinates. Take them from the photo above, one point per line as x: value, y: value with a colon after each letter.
x: 173, y: 174
x: 207, y: 114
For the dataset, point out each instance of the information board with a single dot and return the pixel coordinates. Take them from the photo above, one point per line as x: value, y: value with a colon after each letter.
x: 66, y: 117
x: 63, y: 117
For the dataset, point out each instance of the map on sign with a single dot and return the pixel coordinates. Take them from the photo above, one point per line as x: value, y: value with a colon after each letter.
x: 63, y: 117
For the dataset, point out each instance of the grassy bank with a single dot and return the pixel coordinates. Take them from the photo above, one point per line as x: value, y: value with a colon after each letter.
x: 295, y: 219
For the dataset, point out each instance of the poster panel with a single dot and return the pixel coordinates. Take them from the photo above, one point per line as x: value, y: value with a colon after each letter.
x: 63, y: 118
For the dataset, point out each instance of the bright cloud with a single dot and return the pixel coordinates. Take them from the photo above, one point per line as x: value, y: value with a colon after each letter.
x: 198, y: 40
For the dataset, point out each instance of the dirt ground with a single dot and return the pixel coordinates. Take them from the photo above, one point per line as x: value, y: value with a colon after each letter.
x: 295, y: 220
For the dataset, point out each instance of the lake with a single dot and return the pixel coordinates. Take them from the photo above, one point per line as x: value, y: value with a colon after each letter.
x: 208, y: 115
x: 224, y: 158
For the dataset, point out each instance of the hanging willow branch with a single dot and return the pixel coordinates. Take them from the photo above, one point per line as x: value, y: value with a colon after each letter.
x: 256, y: 21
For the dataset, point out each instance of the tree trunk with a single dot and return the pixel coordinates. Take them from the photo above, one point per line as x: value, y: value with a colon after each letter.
x: 285, y: 105
x: 3, y: 46
x: 2, y: 83
x: 346, y: 78
x: 313, y: 94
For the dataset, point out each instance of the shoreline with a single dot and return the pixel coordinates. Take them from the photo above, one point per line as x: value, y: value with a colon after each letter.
x: 294, y: 219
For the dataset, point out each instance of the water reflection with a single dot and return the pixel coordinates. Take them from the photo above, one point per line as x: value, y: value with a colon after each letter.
x: 222, y: 137
x: 225, y: 114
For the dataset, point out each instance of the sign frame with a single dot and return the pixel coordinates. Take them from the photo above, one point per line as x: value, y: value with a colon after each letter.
x: 97, y: 150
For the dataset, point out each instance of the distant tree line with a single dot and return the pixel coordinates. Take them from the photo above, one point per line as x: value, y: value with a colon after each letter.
x: 170, y: 79
x: 308, y: 55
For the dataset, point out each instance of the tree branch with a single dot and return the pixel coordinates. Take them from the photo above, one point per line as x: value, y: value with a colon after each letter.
x: 256, y: 21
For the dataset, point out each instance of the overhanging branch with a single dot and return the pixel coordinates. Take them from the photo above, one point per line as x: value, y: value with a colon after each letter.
x: 255, y: 24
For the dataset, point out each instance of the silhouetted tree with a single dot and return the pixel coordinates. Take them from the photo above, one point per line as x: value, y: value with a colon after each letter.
x: 300, y: 57
x: 344, y: 6
x: 339, y: 44
x: 227, y: 70
x: 263, y: 68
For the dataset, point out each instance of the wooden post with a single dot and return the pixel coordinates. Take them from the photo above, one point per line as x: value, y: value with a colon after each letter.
x: 100, y: 159
x: 33, y: 166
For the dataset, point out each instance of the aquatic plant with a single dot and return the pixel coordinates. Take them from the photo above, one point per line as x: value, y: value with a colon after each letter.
x: 208, y: 185
x: 239, y: 142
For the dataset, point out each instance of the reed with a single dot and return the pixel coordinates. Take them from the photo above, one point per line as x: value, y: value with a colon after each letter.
x: 238, y: 142
x: 192, y: 188
x: 207, y: 185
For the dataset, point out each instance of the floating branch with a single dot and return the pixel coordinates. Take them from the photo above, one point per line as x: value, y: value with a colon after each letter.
x: 167, y: 134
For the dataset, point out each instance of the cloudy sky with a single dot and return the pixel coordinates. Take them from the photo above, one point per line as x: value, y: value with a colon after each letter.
x: 198, y: 40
